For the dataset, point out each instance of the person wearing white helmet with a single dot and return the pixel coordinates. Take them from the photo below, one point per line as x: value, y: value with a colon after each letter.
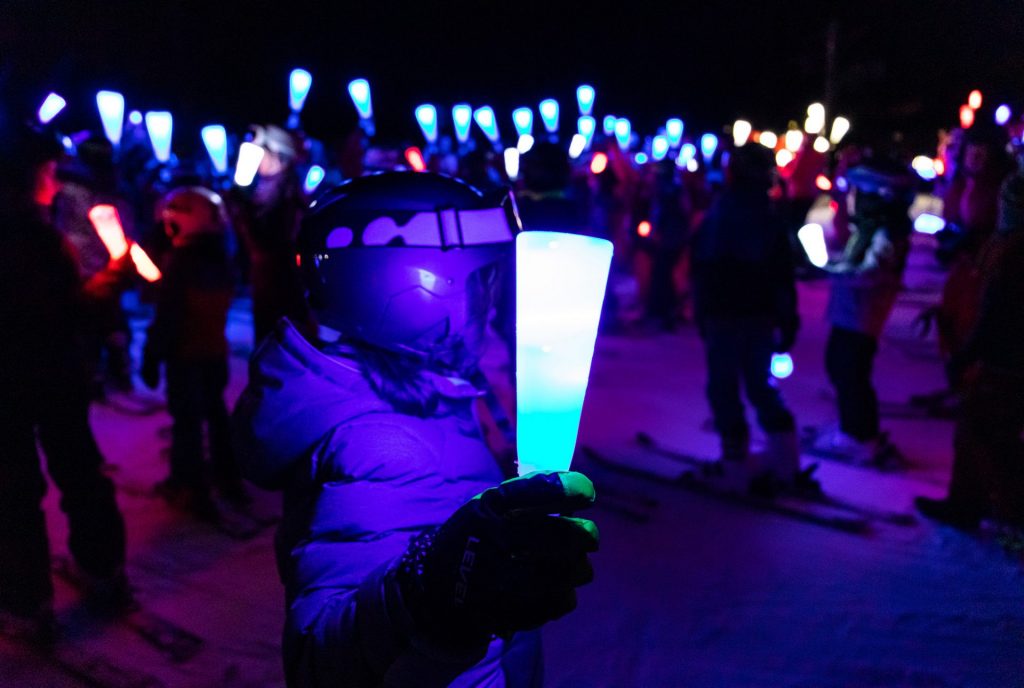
x: 405, y: 558
x: 187, y: 338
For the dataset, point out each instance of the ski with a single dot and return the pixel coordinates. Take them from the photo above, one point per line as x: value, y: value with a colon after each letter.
x: 695, y: 480
x: 169, y: 639
x: 887, y: 460
x: 711, y: 468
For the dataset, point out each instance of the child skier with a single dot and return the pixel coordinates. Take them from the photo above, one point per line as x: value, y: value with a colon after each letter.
x: 395, y: 574
x: 187, y: 337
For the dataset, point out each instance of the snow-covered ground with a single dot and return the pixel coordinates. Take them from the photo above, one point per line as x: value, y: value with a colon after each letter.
x: 704, y: 593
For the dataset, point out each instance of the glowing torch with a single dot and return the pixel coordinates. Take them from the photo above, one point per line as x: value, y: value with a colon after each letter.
x: 160, y: 126
x: 299, y: 83
x: 249, y: 158
x: 549, y: 115
x: 462, y: 117
x: 50, y: 108
x: 523, y: 119
x: 812, y: 238
x: 359, y: 91
x: 585, y: 99
x: 111, y: 107
x: 215, y: 138
x: 107, y: 223
x: 426, y: 117
x: 560, y: 285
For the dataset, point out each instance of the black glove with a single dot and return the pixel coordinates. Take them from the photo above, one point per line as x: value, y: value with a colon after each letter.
x: 503, y: 562
x: 786, y: 337
x: 150, y: 372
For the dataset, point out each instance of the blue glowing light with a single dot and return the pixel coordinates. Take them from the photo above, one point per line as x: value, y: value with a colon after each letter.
x: 299, y: 82
x: 69, y: 145
x: 160, y: 126
x: 623, y: 132
x: 135, y: 118
x: 215, y: 138
x: 585, y: 99
x: 111, y: 107
x: 586, y: 125
x: 359, y: 90
x: 608, y: 124
x: 313, y: 179
x: 708, y: 146
x: 686, y: 154
x: 560, y: 285
x: 674, y: 130
x: 523, y: 119
x: 782, y: 366
x: 549, y: 114
x: 487, y: 122
x: 1003, y: 114
x: 462, y: 116
x: 50, y: 108
x: 659, y: 147
x: 640, y: 158
x: 926, y: 223
x: 426, y: 117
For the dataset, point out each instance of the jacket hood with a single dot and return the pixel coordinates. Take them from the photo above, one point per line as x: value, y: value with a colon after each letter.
x: 295, y: 396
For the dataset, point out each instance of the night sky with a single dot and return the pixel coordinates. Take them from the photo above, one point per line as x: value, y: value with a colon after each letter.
x: 903, y: 66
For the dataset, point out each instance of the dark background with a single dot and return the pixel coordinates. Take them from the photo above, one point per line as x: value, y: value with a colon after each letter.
x: 900, y: 66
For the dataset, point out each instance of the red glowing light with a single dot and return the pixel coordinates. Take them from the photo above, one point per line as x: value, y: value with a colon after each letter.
x: 298, y: 260
x: 823, y: 183
x: 414, y: 156
x: 599, y: 163
x: 966, y: 116
x: 144, y: 265
x: 644, y: 229
x: 107, y: 223
x: 940, y: 166
x: 833, y: 206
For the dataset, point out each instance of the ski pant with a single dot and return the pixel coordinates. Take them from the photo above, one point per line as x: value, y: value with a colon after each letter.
x: 96, y: 536
x: 849, y: 357
x: 195, y: 395
x: 739, y: 350
x: 988, y: 464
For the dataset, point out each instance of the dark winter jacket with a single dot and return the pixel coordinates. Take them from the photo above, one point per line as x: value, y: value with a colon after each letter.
x: 192, y: 303
x: 741, y: 261
x: 359, y: 481
x: 865, y: 283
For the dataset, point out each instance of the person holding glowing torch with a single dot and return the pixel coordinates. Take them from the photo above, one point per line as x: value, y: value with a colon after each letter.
x: 46, y: 391
x: 406, y: 560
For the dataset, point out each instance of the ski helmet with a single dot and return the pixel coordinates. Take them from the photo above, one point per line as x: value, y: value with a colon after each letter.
x: 406, y: 261
x: 190, y: 211
x: 884, y: 193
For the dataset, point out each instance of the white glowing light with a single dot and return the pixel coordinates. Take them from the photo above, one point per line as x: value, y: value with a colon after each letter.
x: 924, y: 166
x: 974, y: 99
x: 659, y: 147
x: 686, y: 154
x: 794, y: 139
x: 249, y: 157
x: 768, y: 139
x: 462, y: 116
x: 523, y: 119
x: 926, y: 223
x: 585, y: 99
x: 708, y: 146
x: 623, y: 132
x: 359, y: 91
x: 487, y: 122
x: 692, y: 165
x: 524, y: 144
x: 426, y: 117
x: 299, y: 82
x: 784, y: 157
x: 512, y: 163
x: 549, y: 114
x: 313, y: 178
x: 812, y: 238
x: 840, y: 126
x: 50, y: 108
x: 674, y: 130
x: 111, y: 107
x: 1003, y: 114
x: 782, y: 366
x: 560, y: 285
x: 741, y: 132
x: 160, y: 125
x: 577, y: 145
x: 815, y: 122
x: 215, y: 138
x: 821, y: 144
